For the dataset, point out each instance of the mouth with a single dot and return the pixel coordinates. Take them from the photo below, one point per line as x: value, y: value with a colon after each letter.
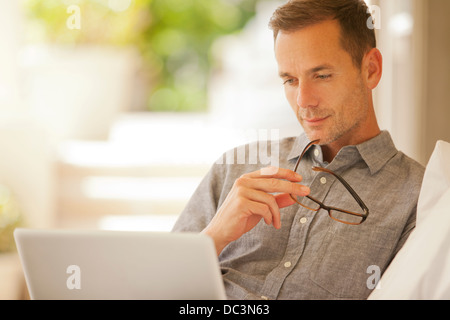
x: 315, y: 121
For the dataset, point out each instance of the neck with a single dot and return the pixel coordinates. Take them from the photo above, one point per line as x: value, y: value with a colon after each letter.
x: 363, y: 133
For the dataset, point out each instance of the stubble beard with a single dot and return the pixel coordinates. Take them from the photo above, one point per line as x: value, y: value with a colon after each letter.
x: 340, y: 124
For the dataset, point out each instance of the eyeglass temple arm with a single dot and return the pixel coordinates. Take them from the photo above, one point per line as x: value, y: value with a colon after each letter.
x: 347, y: 186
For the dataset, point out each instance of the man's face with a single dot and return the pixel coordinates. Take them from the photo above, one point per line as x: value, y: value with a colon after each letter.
x: 323, y: 86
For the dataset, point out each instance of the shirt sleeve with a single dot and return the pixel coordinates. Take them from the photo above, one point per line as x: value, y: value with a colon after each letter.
x: 203, y: 204
x: 409, y: 227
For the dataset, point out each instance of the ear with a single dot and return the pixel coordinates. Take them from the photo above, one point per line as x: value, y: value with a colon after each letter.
x: 372, y: 68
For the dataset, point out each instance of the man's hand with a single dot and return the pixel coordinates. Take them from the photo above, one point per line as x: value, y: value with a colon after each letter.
x: 250, y: 200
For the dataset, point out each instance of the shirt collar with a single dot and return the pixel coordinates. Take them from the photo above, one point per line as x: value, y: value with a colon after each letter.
x: 375, y: 152
x: 300, y: 144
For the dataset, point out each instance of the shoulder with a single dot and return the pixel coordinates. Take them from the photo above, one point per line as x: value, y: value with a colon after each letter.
x: 384, y: 159
x: 256, y: 147
x: 254, y: 155
x: 407, y: 168
x: 250, y: 157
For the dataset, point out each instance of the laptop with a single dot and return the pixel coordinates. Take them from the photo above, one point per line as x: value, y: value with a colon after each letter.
x: 100, y: 264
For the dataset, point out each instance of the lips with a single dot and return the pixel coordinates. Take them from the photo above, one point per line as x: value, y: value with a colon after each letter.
x: 315, y: 121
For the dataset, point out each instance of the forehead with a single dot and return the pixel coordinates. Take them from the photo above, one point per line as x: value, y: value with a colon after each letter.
x: 310, y: 46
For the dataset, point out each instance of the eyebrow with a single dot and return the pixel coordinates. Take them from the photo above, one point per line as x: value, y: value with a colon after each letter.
x: 310, y: 71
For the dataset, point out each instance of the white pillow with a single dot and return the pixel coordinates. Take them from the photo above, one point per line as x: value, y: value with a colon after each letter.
x: 418, y: 270
x: 436, y: 180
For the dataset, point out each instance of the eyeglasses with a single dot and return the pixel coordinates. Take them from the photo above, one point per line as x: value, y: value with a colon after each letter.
x: 340, y: 215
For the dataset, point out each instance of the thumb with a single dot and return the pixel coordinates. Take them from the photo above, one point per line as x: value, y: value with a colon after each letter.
x: 284, y: 200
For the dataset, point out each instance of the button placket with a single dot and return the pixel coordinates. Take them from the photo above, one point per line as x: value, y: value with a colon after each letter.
x: 293, y: 253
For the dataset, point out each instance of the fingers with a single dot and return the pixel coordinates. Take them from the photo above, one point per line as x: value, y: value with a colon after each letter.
x: 272, y: 185
x: 278, y: 181
x: 276, y: 173
x: 263, y: 210
x: 284, y: 200
x: 263, y: 204
x: 259, y: 187
x: 254, y: 196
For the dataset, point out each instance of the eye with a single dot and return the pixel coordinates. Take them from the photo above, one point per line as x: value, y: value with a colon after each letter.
x: 289, y: 82
x: 323, y: 76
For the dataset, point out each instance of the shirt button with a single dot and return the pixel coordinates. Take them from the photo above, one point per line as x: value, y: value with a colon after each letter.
x: 323, y: 180
x: 316, y: 152
x: 303, y: 220
x: 287, y: 264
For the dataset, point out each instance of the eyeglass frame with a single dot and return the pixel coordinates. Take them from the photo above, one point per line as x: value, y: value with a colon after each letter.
x: 344, y: 183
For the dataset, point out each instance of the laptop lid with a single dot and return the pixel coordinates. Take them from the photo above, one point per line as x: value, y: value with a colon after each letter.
x: 98, y: 264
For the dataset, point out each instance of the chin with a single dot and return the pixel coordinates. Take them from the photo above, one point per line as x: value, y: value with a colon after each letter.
x: 315, y: 135
x: 324, y: 139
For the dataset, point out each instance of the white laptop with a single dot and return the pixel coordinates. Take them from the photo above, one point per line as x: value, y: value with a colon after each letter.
x: 96, y: 264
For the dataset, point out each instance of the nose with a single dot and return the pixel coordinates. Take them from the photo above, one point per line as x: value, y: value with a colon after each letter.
x: 306, y: 96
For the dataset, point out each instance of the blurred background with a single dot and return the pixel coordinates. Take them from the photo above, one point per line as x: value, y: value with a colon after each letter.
x: 111, y: 111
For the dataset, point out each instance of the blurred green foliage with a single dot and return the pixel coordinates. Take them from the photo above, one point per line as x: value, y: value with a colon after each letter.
x: 173, y: 36
x: 10, y: 219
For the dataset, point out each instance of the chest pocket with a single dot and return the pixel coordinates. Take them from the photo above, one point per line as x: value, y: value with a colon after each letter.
x: 348, y: 256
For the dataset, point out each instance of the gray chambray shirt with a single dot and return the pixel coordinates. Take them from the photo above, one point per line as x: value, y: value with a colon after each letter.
x: 313, y: 256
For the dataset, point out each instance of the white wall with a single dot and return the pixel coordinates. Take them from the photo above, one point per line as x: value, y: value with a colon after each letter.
x: 436, y: 106
x: 412, y: 100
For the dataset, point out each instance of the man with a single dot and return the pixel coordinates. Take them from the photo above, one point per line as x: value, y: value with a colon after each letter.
x: 270, y: 246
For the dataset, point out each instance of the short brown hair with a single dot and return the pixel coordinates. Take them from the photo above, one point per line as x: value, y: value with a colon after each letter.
x: 356, y: 37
